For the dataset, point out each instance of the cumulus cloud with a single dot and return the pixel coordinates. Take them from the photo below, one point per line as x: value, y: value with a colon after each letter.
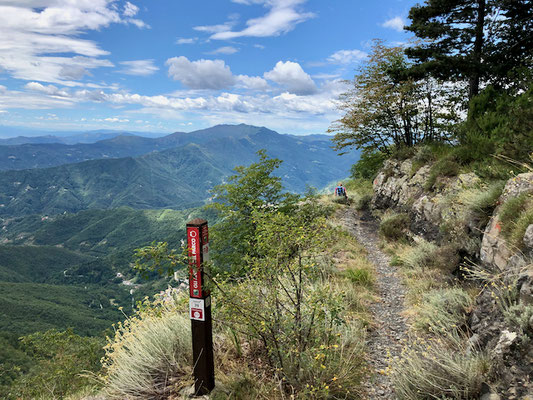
x: 396, y: 23
x: 291, y: 76
x: 347, y: 56
x: 49, y: 89
x: 282, y: 17
x: 200, y: 74
x: 139, y: 67
x: 33, y: 33
x: 253, y: 82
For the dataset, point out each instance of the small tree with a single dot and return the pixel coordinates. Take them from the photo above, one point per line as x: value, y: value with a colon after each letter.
x: 252, y: 188
x: 386, y: 107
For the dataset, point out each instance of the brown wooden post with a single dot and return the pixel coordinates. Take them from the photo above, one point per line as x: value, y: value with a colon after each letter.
x: 200, y: 307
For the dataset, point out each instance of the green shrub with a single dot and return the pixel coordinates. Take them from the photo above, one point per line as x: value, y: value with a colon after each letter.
x: 519, y: 316
x: 446, y: 166
x: 368, y: 165
x: 60, y: 363
x: 394, y: 227
x: 402, y: 153
x: 149, y: 352
x: 443, y: 310
x: 363, y: 202
x: 439, y: 369
x: 498, y: 123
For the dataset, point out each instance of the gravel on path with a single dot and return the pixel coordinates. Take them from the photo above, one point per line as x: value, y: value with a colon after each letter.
x: 389, y: 330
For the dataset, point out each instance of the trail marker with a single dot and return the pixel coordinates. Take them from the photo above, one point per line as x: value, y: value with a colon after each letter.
x: 200, y: 307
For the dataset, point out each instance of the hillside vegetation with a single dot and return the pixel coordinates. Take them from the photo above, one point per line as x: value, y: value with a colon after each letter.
x: 178, y: 178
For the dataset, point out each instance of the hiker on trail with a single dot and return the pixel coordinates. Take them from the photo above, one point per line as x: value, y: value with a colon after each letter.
x: 340, y: 191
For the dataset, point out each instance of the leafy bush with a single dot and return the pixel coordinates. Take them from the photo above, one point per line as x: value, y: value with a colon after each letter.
x: 61, y: 361
x: 368, y: 165
x: 394, y: 227
x: 443, y: 310
x: 286, y: 304
x: 150, y: 352
x: 439, y: 369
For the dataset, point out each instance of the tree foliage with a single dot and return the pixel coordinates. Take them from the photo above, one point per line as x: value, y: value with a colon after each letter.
x: 386, y: 107
x: 252, y: 188
x: 473, y: 41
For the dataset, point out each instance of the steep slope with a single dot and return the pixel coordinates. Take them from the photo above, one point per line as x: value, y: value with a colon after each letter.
x: 180, y: 178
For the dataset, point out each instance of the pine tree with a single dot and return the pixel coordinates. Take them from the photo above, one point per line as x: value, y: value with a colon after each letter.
x: 454, y: 39
x: 474, y: 41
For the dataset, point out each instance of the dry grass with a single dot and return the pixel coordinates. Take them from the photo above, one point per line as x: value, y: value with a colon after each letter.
x: 439, y: 369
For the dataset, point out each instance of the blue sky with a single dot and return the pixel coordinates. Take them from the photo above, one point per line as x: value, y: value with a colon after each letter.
x: 182, y: 65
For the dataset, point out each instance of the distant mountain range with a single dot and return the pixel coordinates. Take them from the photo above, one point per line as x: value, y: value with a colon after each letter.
x: 15, y: 136
x: 176, y: 171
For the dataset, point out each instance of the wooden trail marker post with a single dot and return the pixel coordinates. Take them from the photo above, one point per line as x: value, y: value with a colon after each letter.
x: 200, y: 307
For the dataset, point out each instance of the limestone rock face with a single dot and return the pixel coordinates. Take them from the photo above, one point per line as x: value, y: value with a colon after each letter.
x: 395, y: 185
x: 495, y: 251
x: 398, y: 186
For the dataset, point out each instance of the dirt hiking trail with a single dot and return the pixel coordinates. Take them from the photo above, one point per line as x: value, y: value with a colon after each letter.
x: 386, y: 336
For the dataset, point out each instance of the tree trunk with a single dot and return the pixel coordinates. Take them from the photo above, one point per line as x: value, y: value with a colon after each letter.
x: 478, y: 49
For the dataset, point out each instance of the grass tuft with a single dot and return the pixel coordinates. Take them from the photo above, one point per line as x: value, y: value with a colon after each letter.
x: 439, y: 369
x: 394, y: 227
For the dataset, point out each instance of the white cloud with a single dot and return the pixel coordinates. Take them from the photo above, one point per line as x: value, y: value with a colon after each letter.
x: 282, y: 17
x: 130, y: 10
x: 396, y: 23
x: 186, y: 40
x: 34, y: 32
x: 200, y: 74
x: 216, y: 28
x: 225, y: 50
x: 115, y: 119
x: 139, y: 67
x: 347, y: 56
x: 291, y: 76
x: 50, y: 89
x: 253, y: 82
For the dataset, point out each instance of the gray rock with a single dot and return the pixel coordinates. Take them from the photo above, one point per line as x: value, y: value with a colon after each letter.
x: 526, y: 290
x: 494, y: 249
x: 528, y: 237
x: 514, y: 187
x: 505, y: 341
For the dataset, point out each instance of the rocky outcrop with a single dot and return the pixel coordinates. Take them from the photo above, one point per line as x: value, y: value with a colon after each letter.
x: 433, y: 213
x: 400, y: 187
x: 495, y: 251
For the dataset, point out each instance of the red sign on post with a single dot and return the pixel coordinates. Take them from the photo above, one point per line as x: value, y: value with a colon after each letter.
x: 195, y: 262
x: 200, y: 307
